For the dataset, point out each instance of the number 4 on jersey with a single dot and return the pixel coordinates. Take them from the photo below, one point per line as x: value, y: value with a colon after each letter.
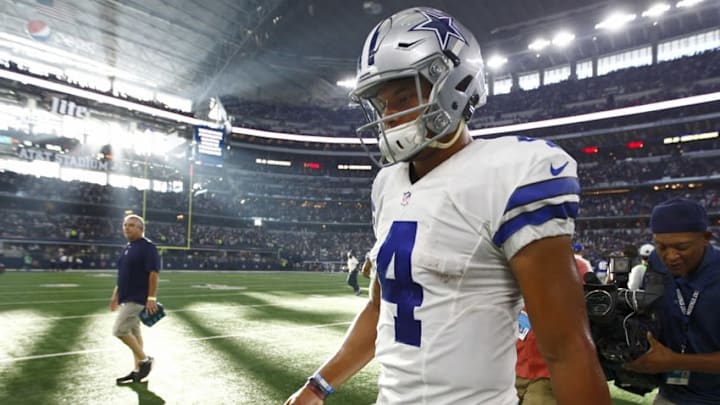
x: 401, y: 290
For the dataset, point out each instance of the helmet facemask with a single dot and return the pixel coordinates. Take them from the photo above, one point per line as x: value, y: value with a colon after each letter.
x: 404, y: 141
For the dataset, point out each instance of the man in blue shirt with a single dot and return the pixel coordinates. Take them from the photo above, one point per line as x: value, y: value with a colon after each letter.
x: 688, y: 348
x: 136, y: 289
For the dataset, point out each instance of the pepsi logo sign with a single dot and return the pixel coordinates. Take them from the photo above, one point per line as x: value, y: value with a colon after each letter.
x: 38, y: 30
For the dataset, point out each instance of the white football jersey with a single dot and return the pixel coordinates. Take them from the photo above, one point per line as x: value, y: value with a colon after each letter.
x: 448, y: 315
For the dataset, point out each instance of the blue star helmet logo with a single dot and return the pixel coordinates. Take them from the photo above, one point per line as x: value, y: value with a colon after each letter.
x: 442, y: 24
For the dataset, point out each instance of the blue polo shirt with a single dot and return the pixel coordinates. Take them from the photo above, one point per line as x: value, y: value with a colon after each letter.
x: 699, y: 331
x: 139, y: 258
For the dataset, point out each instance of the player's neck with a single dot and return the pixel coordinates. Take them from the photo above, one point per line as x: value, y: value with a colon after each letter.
x: 422, y: 166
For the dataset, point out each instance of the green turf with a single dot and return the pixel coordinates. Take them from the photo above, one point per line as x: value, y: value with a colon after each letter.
x: 229, y: 338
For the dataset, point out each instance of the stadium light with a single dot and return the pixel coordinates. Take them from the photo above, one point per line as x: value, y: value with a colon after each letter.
x: 563, y: 39
x: 615, y: 21
x: 539, y: 44
x: 656, y: 10
x: 496, y: 61
x: 347, y: 83
x: 687, y: 3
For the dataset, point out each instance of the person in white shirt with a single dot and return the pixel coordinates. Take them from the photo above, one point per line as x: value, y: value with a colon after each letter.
x: 352, y: 266
x: 637, y: 273
x: 465, y: 230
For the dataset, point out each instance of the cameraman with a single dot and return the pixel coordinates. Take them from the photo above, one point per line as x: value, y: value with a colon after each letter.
x: 689, y: 354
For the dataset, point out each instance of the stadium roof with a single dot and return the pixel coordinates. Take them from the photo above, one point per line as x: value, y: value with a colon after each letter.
x: 291, y: 49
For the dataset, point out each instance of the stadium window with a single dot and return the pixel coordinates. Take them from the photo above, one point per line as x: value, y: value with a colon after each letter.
x: 177, y: 102
x: 38, y: 168
x: 120, y: 181
x: 177, y: 186
x: 502, y: 85
x: 87, y: 80
x: 626, y: 59
x: 159, y: 186
x: 689, y: 45
x: 529, y: 81
x: 140, y: 184
x: 556, y: 74
x: 583, y: 70
x: 87, y: 176
x: 38, y: 67
x: 132, y: 90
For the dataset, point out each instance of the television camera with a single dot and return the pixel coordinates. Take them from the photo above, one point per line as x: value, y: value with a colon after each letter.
x: 619, y: 321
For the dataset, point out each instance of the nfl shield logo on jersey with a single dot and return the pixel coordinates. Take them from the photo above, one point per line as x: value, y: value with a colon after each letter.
x: 405, y: 198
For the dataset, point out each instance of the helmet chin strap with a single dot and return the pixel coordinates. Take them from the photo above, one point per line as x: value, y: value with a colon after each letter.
x: 444, y: 145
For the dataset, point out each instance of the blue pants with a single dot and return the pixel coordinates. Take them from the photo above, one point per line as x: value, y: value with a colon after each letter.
x: 352, y: 281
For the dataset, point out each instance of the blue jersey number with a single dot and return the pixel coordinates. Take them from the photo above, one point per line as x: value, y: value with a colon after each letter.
x: 401, y: 290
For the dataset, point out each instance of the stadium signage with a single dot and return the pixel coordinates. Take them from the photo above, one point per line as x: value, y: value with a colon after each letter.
x: 80, y: 162
x: 65, y: 107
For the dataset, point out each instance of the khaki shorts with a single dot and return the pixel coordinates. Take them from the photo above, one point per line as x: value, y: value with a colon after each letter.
x: 535, y: 392
x: 127, y: 321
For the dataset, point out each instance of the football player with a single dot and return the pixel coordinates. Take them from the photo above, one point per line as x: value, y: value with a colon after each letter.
x: 465, y: 229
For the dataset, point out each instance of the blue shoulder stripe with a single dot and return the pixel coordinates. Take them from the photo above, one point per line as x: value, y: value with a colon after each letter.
x: 542, y: 190
x: 537, y: 217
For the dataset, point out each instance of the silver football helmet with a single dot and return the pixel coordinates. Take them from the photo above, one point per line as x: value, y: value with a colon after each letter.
x: 427, y: 45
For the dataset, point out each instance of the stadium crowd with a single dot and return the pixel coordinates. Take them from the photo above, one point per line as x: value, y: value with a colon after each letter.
x: 299, y: 228
x: 687, y: 76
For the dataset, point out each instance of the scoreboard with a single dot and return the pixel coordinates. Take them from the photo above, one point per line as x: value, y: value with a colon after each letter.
x: 209, y: 146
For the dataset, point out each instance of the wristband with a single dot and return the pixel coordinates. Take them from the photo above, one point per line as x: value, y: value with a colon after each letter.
x: 319, y: 382
x: 315, y: 389
x: 151, y: 298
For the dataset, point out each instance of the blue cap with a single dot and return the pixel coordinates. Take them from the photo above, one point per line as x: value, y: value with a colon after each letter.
x: 678, y: 215
x: 577, y: 247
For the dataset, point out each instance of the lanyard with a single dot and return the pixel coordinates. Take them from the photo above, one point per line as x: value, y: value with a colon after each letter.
x: 681, y: 301
x: 687, y: 311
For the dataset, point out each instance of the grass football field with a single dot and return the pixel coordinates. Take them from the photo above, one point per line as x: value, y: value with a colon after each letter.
x: 229, y: 338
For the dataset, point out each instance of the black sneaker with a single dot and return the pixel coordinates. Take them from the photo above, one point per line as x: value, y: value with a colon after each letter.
x: 127, y: 379
x: 145, y: 368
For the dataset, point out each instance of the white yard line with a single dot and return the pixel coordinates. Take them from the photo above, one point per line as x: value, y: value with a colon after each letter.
x: 229, y: 336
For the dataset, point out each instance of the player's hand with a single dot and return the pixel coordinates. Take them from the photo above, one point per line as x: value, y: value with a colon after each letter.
x: 304, y: 396
x: 658, y: 359
x: 151, y: 307
x: 113, y: 304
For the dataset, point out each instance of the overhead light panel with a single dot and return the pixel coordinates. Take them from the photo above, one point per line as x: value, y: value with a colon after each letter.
x: 615, y: 21
x: 687, y: 3
x: 539, y: 44
x: 563, y: 39
x: 656, y: 10
x: 496, y: 61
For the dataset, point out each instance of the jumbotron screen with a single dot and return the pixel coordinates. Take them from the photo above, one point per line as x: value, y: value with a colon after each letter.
x: 209, y: 146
